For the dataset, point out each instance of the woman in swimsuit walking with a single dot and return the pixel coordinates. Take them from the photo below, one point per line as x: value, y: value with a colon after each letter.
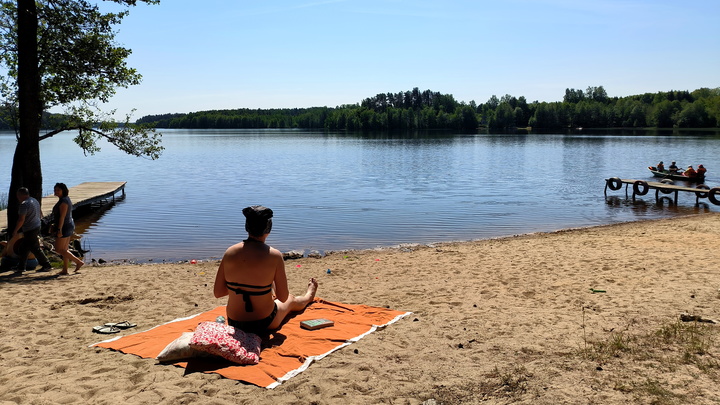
x: 62, y: 215
x: 251, y: 272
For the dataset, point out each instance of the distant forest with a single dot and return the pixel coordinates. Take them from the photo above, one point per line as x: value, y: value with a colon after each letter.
x: 415, y: 109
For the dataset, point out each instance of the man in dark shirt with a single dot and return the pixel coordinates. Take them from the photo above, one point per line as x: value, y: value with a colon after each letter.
x: 29, y: 216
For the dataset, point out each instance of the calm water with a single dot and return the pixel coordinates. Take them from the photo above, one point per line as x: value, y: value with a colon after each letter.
x: 342, y: 191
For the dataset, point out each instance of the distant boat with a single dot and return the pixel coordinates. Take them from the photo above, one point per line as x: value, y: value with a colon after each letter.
x: 680, y: 175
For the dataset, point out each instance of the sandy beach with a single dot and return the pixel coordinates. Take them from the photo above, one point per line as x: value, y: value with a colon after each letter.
x: 578, y: 316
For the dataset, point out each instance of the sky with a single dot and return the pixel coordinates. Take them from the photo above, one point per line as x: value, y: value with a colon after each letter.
x: 212, y: 54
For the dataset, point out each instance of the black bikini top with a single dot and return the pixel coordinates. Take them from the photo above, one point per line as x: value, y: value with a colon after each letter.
x: 238, y: 288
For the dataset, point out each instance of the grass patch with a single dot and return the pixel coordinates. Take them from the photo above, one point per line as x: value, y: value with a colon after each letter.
x: 664, y: 349
x: 506, y: 383
x: 676, y: 342
x: 694, y: 341
x: 655, y: 389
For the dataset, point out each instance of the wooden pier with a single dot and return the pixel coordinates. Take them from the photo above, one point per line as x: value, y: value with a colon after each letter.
x: 642, y: 187
x: 83, y: 194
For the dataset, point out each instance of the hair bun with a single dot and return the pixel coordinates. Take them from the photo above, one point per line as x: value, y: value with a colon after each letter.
x: 257, y: 212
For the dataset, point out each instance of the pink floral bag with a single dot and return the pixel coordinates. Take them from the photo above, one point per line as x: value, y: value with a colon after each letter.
x: 227, y: 342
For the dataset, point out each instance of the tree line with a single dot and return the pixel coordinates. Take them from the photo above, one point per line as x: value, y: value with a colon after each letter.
x: 415, y: 109
x: 421, y: 110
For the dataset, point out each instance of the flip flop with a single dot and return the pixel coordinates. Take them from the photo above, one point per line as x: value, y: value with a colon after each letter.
x: 105, y: 329
x: 121, y: 325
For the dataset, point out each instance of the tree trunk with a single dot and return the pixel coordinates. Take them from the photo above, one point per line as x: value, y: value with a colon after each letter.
x: 26, y: 170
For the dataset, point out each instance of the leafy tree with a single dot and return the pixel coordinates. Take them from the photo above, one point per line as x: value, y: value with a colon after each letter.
x: 493, y: 102
x: 523, y: 106
x: 549, y: 115
x: 693, y: 115
x: 596, y: 94
x: 520, y: 120
x: 663, y: 113
x: 504, y: 117
x: 61, y: 53
x: 573, y: 96
x: 467, y: 118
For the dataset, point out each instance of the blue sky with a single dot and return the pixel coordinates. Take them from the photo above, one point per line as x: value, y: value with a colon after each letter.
x: 212, y: 54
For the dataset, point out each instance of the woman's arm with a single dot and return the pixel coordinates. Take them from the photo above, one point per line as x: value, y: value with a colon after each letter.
x: 220, y: 288
x: 280, y: 284
x: 61, y: 221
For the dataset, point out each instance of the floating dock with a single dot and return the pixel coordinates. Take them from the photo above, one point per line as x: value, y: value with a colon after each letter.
x: 88, y: 193
x: 642, y: 187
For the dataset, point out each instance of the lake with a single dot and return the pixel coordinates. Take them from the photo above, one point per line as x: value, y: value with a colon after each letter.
x: 336, y: 191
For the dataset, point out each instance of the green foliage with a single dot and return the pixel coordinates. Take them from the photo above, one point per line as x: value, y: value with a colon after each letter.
x: 242, y: 118
x: 80, y: 66
x: 411, y: 110
x: 594, y: 109
x: 503, y: 118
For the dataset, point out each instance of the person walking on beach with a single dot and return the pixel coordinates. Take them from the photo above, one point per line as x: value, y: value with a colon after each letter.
x: 251, y: 272
x: 29, y: 222
x: 64, y: 227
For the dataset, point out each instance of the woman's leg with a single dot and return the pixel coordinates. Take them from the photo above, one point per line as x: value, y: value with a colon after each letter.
x: 61, y: 246
x: 294, y: 304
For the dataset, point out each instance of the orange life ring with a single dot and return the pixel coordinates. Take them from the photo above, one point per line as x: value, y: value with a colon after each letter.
x: 712, y: 195
x: 637, y: 187
x: 614, y: 183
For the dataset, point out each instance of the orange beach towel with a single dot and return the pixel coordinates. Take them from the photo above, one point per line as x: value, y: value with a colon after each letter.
x: 288, y: 352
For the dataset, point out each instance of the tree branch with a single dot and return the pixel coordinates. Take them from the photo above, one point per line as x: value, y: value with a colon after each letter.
x: 55, y: 132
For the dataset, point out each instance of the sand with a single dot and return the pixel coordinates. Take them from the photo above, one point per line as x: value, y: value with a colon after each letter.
x: 510, y: 320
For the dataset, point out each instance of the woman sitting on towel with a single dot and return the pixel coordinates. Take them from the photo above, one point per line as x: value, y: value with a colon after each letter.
x: 252, y: 274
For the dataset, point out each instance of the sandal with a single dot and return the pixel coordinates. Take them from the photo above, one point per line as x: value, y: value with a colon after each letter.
x: 121, y: 325
x: 105, y: 329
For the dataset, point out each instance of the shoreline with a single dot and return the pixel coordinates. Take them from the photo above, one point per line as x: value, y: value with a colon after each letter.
x: 291, y: 255
x: 502, y: 320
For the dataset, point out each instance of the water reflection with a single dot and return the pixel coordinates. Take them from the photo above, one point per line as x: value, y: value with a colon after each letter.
x: 664, y: 204
x: 333, y: 191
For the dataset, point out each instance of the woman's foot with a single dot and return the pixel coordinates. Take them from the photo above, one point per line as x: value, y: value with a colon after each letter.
x: 78, y: 265
x: 312, y: 289
x: 64, y: 272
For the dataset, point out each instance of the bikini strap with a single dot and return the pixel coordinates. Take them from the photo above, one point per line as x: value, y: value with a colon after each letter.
x: 246, y: 294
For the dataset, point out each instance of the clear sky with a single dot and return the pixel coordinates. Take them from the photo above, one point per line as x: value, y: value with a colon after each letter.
x: 212, y: 54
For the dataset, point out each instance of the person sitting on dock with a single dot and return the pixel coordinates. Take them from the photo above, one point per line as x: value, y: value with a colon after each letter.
x: 673, y: 169
x: 690, y: 172
x: 701, y: 170
x: 660, y: 167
